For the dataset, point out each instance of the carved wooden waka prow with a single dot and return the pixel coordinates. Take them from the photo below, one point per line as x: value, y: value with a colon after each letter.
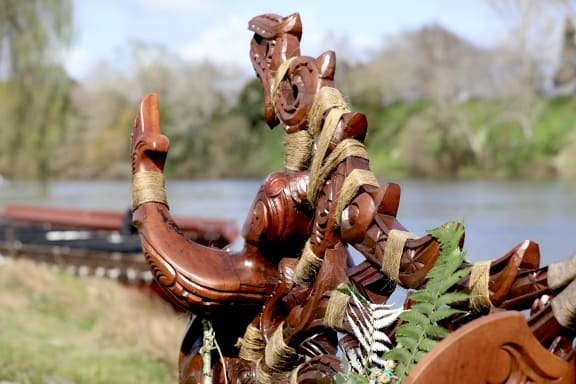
x: 282, y: 308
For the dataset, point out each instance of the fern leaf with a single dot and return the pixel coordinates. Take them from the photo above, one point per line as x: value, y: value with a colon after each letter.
x: 384, y: 316
x: 415, y: 318
x: 452, y: 297
x: 382, y: 323
x: 422, y: 296
x: 408, y: 368
x: 448, y: 236
x: 418, y: 356
x: 454, y: 262
x: 379, y: 336
x: 376, y: 360
x: 400, y: 355
x: 445, y: 267
x: 437, y: 331
x: 424, y: 308
x: 464, y: 271
x: 426, y: 345
x: 358, y: 333
x: 354, y: 360
x: 444, y: 284
x: 409, y: 330
x: 407, y: 342
x: 444, y: 313
x: 380, y: 346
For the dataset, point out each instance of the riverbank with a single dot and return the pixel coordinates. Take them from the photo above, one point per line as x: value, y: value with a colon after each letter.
x: 58, y: 328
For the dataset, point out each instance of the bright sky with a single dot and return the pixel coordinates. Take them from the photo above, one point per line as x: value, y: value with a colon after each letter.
x: 217, y: 29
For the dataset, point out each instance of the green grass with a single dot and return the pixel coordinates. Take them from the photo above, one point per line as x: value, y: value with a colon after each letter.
x: 83, y: 330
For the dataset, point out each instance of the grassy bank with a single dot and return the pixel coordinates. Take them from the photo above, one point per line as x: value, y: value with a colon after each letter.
x: 57, y: 328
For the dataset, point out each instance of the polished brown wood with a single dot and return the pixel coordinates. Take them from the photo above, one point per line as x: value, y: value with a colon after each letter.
x: 261, y: 295
x: 499, y: 348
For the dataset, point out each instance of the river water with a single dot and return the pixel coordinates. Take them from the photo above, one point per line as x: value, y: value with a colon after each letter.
x: 497, y: 215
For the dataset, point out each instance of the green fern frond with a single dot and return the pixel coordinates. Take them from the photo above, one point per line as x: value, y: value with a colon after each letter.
x: 407, y: 342
x: 420, y: 331
x: 425, y: 308
x: 414, y: 317
x: 452, y: 298
x: 409, y: 330
x: 444, y: 313
x: 400, y: 355
x: 426, y: 345
x: 422, y: 296
x: 435, y: 331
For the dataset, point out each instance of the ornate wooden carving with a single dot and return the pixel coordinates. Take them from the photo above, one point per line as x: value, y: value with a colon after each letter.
x: 281, y: 290
x: 499, y: 348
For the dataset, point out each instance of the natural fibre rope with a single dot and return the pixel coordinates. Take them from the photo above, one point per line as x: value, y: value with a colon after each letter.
x: 262, y: 377
x: 307, y: 267
x: 393, y: 252
x: 352, y: 183
x: 280, y: 73
x: 336, y: 309
x: 297, y: 150
x: 479, y: 286
x: 345, y: 149
x: 251, y: 345
x: 278, y: 356
x: 327, y: 99
x: 561, y: 273
x: 148, y: 187
x: 564, y: 306
x: 294, y: 375
x: 309, y: 264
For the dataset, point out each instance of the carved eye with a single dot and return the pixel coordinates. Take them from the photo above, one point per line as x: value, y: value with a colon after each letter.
x: 294, y: 91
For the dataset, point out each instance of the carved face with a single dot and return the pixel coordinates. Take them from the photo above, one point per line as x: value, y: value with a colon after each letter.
x: 297, y: 89
x: 276, y: 39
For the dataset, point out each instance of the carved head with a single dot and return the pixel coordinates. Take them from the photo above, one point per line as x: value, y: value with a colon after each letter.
x: 276, y: 39
x: 290, y: 81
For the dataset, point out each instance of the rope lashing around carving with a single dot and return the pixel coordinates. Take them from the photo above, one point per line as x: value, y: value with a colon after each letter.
x: 307, y: 267
x: 479, y: 286
x: 148, y: 187
x: 352, y: 183
x: 297, y: 150
x: 336, y: 309
x: 564, y: 306
x: 328, y: 99
x: 393, y: 252
x: 262, y: 377
x: 347, y: 148
x: 251, y: 345
x: 280, y: 73
x: 325, y: 99
x: 294, y: 374
x: 561, y: 273
x: 278, y: 356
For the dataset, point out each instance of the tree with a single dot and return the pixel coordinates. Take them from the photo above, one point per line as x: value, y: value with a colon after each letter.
x: 565, y: 76
x: 34, y: 91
